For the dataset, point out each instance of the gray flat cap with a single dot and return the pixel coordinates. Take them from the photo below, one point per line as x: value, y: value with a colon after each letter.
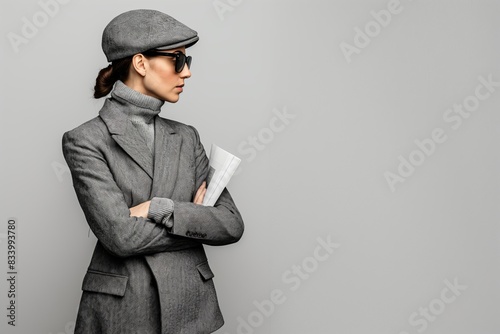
x: 139, y: 30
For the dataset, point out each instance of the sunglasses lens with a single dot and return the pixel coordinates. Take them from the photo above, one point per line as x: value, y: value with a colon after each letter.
x: 180, y: 61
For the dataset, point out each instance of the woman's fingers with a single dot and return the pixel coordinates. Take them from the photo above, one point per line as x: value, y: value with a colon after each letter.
x: 140, y: 210
x: 200, y: 194
x: 198, y: 198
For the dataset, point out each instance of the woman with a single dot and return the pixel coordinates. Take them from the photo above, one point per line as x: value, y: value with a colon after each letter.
x: 140, y: 180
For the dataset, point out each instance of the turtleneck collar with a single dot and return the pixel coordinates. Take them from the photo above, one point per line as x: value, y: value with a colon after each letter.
x: 137, y: 106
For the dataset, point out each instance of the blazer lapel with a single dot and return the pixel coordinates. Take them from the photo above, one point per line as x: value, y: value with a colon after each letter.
x: 166, y: 164
x: 127, y: 136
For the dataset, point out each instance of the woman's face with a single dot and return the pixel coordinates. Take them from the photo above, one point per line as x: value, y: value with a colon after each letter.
x: 161, y: 80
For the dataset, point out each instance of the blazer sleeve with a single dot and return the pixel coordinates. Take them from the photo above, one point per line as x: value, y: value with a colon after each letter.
x: 105, y: 208
x: 221, y: 224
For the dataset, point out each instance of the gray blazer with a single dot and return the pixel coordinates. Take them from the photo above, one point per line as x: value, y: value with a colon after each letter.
x: 143, y: 278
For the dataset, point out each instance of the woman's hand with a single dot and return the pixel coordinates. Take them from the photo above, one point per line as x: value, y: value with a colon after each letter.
x: 140, y: 210
x: 200, y: 194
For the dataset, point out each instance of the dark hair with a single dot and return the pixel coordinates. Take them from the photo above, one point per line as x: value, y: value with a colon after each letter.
x: 117, y: 70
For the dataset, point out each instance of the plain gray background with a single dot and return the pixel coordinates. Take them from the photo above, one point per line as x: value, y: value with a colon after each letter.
x: 321, y: 174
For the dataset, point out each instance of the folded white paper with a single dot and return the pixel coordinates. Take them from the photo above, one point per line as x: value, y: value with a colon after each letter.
x: 222, y: 167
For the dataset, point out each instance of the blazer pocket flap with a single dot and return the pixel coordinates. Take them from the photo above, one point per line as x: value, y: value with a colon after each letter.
x: 205, y: 270
x: 97, y: 281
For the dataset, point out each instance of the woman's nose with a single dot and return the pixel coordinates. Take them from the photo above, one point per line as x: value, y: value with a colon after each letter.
x: 186, y: 72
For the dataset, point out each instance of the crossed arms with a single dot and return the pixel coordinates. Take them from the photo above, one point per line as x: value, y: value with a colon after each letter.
x: 126, y: 231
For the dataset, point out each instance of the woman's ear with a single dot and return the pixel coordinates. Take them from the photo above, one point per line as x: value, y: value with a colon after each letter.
x: 139, y: 64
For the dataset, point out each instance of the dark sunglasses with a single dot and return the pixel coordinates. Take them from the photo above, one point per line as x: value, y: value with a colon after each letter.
x: 180, y: 58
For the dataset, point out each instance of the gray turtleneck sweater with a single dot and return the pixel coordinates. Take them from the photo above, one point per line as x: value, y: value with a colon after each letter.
x: 142, y: 111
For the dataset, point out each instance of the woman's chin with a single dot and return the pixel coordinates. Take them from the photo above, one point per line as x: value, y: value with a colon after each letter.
x: 172, y: 99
